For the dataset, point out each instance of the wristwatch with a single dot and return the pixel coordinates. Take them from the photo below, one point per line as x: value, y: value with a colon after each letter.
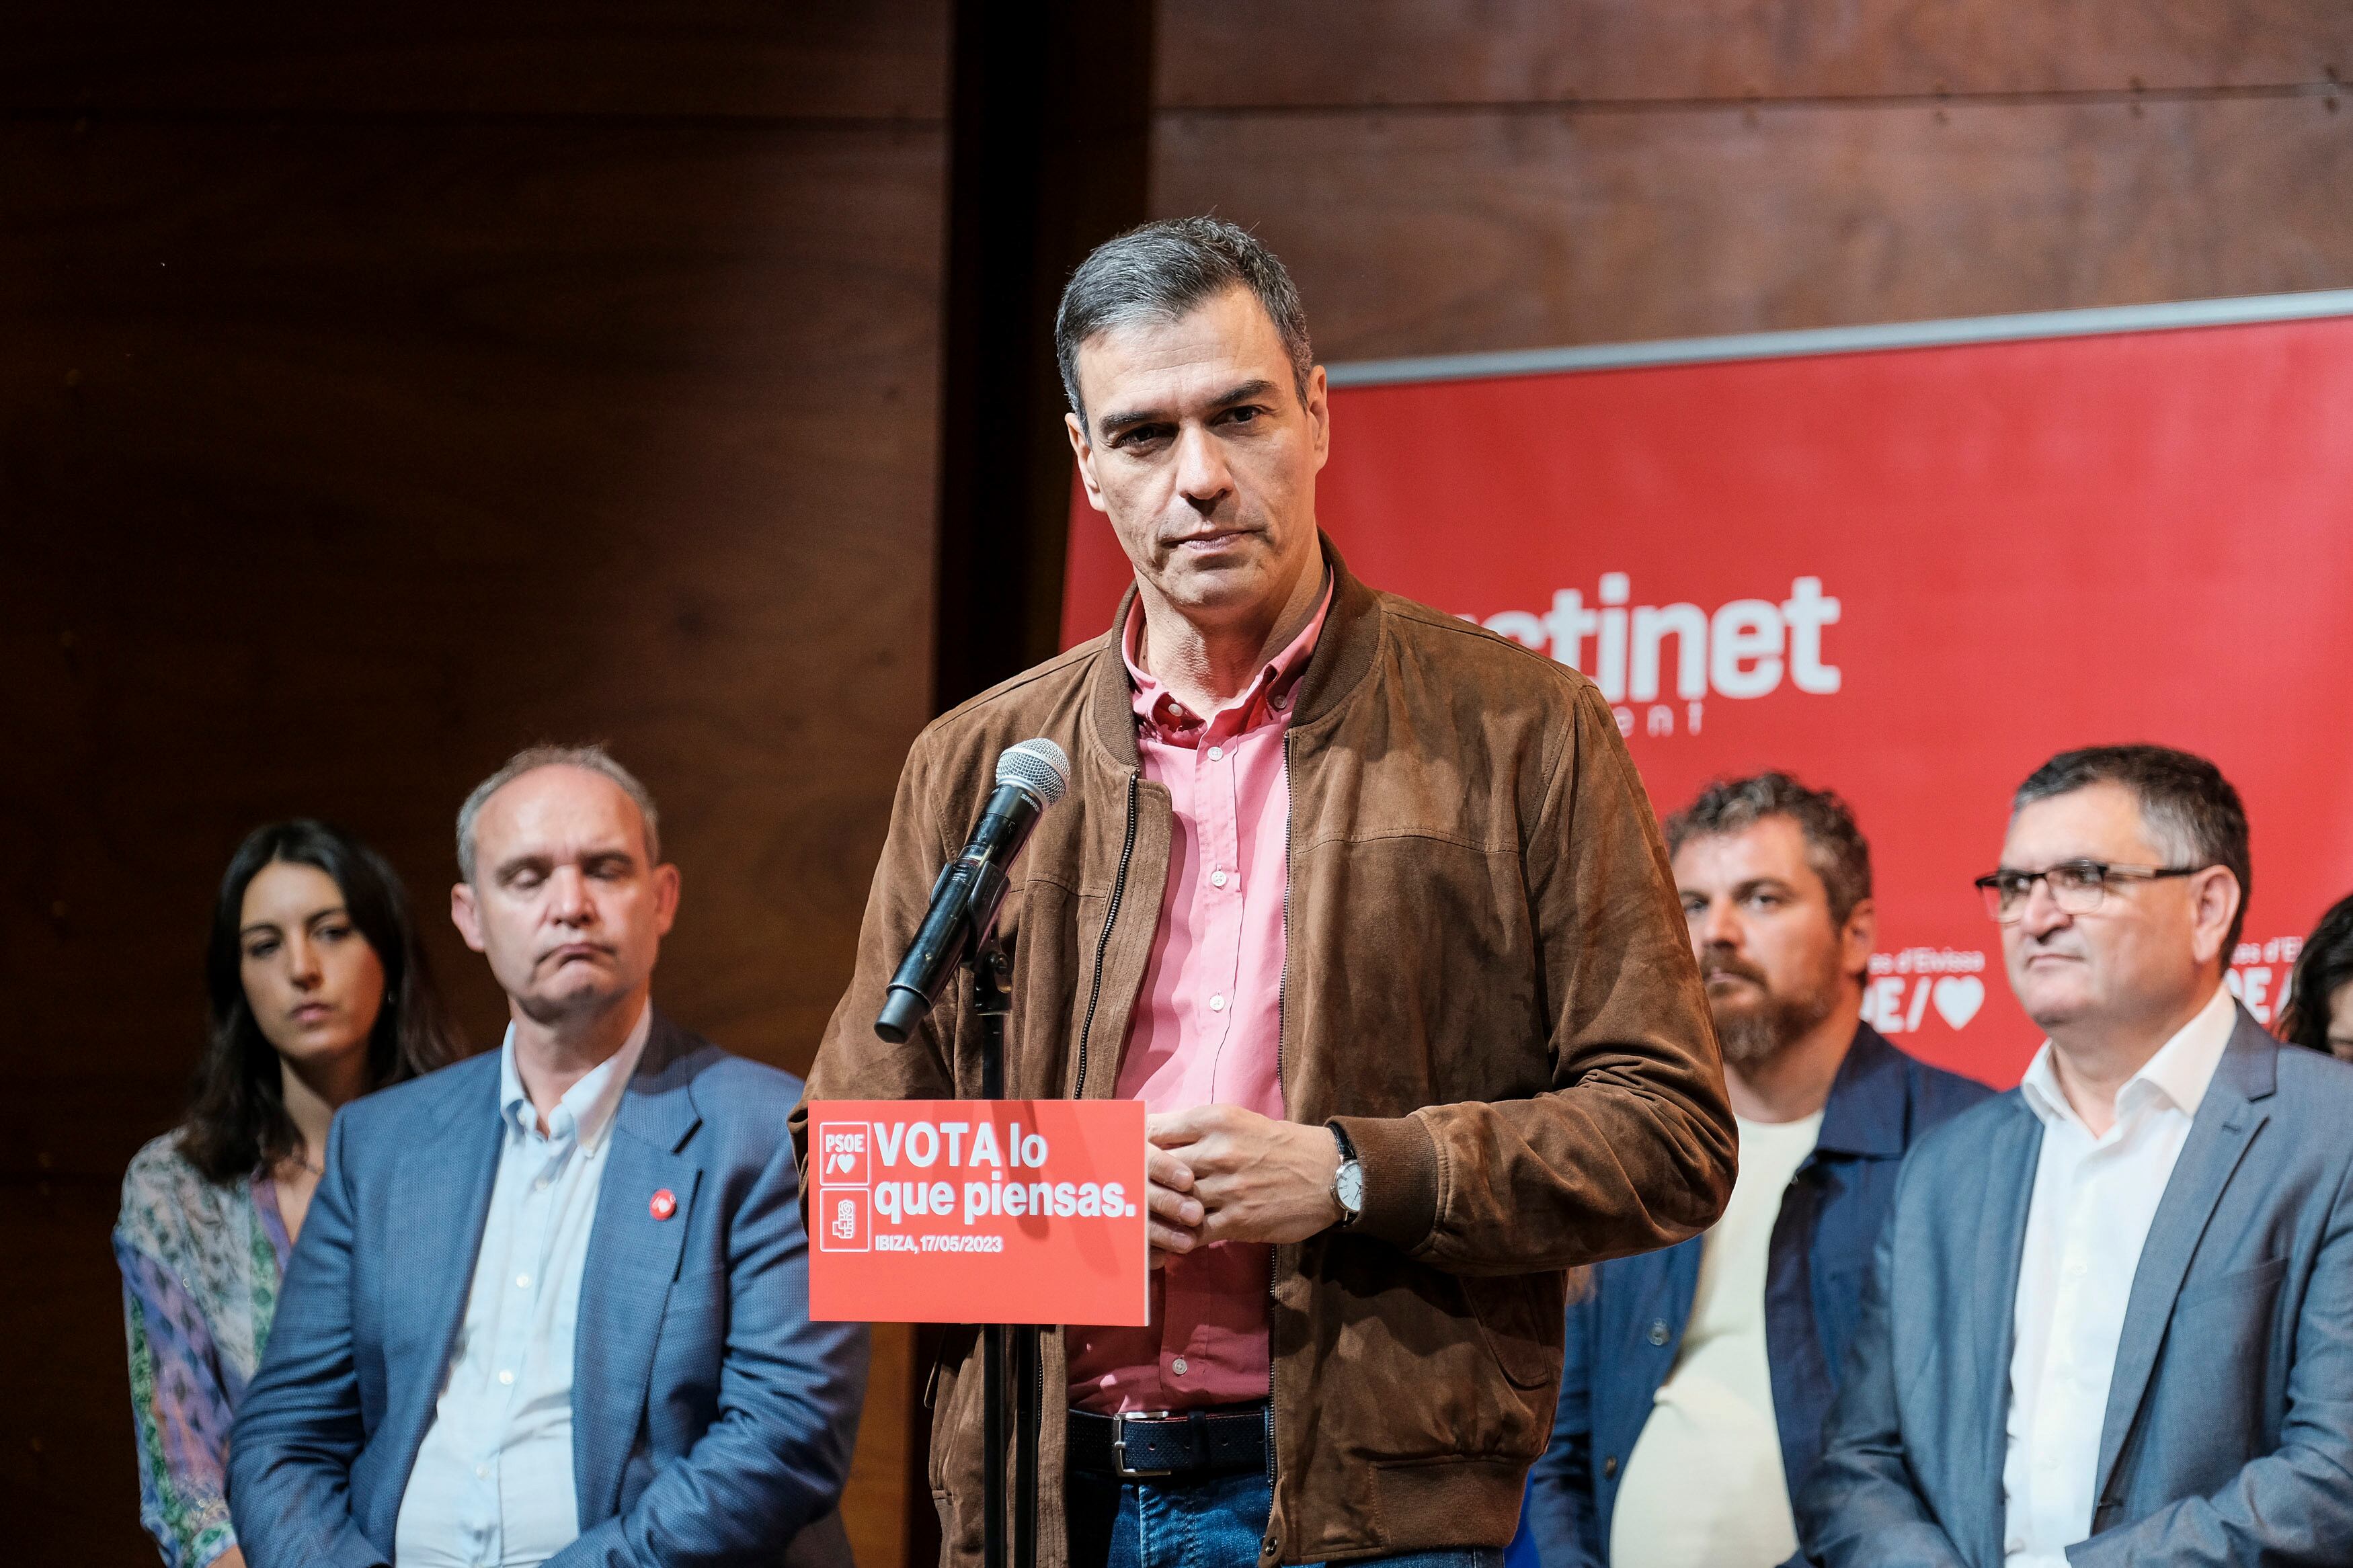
x: 1348, y: 1181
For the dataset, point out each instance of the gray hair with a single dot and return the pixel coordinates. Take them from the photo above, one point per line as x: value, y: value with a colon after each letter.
x: 589, y: 759
x: 1835, y: 847
x: 1164, y: 270
x: 2188, y: 807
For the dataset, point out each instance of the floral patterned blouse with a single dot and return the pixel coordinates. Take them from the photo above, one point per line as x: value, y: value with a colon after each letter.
x: 200, y: 1265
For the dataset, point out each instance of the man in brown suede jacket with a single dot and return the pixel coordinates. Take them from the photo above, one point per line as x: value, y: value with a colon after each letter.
x: 1368, y: 907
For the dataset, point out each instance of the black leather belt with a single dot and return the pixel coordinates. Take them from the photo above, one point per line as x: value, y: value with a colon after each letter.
x: 1162, y: 1444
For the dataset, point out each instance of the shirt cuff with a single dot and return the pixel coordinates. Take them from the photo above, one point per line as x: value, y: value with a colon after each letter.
x: 1400, y: 1162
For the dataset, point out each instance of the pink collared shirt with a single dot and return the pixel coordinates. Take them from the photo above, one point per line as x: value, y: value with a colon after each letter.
x: 1207, y: 1024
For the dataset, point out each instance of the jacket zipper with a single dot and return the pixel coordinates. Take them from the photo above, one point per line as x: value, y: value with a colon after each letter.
x: 1095, y: 994
x: 1282, y: 990
x: 1102, y: 942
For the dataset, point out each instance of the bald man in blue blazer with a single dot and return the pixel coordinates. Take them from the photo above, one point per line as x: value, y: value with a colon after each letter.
x: 550, y: 1305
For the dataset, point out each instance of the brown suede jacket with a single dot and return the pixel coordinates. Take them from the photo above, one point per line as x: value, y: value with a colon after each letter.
x: 1488, y: 986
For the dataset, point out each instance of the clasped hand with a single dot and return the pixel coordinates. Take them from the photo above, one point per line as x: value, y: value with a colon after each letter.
x: 1219, y: 1172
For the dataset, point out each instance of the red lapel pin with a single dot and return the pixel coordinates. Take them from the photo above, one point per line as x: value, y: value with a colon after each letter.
x: 664, y: 1203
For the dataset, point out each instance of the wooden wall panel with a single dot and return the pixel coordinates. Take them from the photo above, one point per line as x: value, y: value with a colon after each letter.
x: 1288, y: 52
x: 1446, y: 232
x: 370, y: 406
x: 1521, y: 173
x: 809, y: 59
x: 402, y: 446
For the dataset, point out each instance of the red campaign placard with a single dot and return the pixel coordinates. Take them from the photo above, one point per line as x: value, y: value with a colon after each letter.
x: 1911, y: 576
x: 973, y: 1211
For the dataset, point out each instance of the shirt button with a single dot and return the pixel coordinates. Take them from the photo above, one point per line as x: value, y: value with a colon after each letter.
x: 483, y: 1472
x: 1217, y: 879
x: 1217, y: 1003
x: 1217, y: 753
x: 1658, y: 1335
x: 507, y: 1378
x: 1177, y: 1366
x: 540, y: 1186
x: 2077, y: 1268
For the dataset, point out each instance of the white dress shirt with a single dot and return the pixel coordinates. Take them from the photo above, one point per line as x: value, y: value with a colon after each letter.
x: 493, y: 1487
x: 1703, y: 1486
x: 2094, y: 1200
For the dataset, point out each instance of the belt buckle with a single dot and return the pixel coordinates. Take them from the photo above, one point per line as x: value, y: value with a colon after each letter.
x: 1119, y: 1444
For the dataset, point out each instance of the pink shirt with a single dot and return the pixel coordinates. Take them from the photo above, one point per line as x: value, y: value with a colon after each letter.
x: 1207, y: 1024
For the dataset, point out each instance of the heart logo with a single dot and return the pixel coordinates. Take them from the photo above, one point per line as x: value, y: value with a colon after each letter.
x: 1958, y: 997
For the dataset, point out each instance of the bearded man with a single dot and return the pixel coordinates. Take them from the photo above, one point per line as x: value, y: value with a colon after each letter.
x: 1719, y: 1357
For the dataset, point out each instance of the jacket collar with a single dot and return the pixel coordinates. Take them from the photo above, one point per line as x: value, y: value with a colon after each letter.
x: 658, y: 1106
x: 2250, y: 1065
x: 1344, y: 654
x: 1870, y: 1105
x: 587, y: 1108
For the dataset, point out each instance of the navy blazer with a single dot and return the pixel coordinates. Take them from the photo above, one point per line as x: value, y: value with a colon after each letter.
x: 712, y: 1420
x: 1623, y: 1336
x: 2228, y: 1437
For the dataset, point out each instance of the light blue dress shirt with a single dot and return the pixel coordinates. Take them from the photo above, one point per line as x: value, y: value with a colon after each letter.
x: 493, y: 1485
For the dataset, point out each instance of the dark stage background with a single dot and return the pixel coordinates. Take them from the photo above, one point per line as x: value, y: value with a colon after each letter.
x: 379, y: 393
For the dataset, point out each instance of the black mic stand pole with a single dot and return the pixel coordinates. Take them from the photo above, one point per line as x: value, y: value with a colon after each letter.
x: 1005, y: 1351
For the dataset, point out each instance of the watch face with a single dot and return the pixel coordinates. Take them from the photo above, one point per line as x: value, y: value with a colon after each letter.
x: 1350, y: 1187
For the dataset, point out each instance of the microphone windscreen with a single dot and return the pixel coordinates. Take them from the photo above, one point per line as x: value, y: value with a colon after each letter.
x: 1039, y: 766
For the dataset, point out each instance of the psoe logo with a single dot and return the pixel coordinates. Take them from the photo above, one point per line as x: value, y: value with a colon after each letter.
x: 842, y: 1221
x: 1744, y: 649
x: 841, y: 1154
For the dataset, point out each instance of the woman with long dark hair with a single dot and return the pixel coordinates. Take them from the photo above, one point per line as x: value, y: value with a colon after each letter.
x: 318, y: 993
x: 2319, y: 1011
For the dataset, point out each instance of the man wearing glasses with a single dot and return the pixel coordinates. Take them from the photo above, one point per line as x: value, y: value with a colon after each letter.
x: 2111, y: 1320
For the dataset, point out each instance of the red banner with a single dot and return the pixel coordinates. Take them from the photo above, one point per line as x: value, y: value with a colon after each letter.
x: 978, y: 1211
x: 1909, y: 575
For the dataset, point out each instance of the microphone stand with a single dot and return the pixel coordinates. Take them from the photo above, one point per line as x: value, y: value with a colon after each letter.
x: 1007, y: 1351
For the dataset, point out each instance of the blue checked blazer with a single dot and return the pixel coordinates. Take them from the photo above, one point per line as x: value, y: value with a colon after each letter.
x: 713, y: 1422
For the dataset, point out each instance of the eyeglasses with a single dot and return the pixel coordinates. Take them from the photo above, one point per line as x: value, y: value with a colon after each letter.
x: 2077, y: 887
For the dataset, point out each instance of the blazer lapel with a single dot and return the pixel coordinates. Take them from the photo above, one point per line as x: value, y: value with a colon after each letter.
x: 1979, y: 1386
x: 445, y: 1181
x: 2227, y: 1121
x: 633, y: 1257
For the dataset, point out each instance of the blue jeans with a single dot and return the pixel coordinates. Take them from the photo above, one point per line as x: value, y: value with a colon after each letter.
x: 1212, y: 1524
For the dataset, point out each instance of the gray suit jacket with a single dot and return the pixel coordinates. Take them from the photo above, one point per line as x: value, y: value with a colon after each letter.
x: 2229, y: 1434
x: 712, y: 1421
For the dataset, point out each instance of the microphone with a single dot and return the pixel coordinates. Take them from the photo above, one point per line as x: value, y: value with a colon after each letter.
x: 1030, y: 777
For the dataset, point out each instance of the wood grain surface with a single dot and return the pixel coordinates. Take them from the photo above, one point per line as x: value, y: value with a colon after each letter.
x: 1441, y: 234
x: 1290, y: 53
x: 878, y: 59
x: 374, y: 404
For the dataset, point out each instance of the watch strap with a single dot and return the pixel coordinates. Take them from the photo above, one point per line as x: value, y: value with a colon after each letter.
x: 1348, y: 1216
